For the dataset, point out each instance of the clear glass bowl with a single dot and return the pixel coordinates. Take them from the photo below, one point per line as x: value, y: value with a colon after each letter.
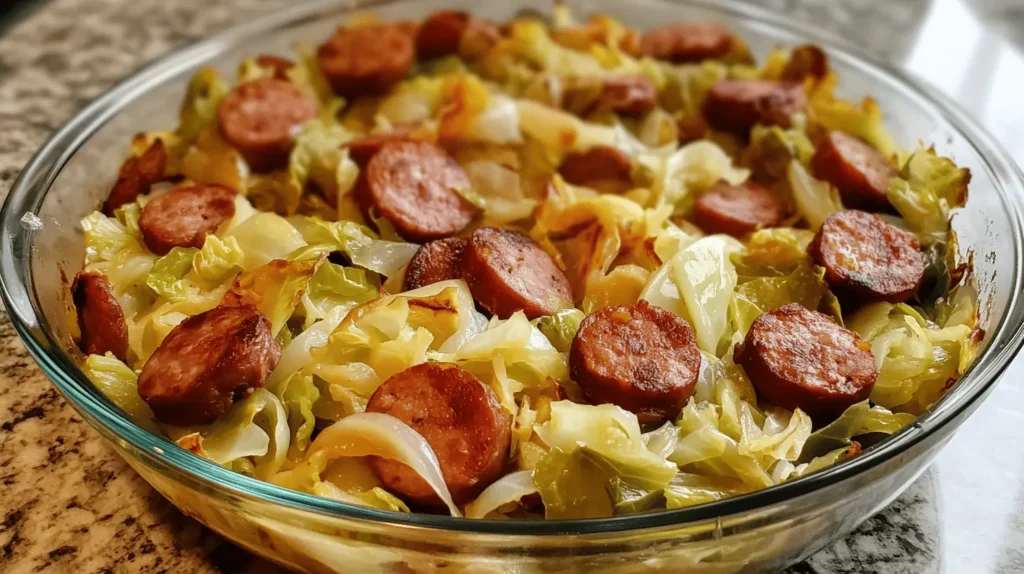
x: 41, y: 247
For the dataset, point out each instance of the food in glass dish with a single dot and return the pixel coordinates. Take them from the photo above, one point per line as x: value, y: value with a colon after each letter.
x: 552, y: 269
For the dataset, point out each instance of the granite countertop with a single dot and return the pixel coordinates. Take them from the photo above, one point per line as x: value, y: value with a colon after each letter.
x: 69, y: 503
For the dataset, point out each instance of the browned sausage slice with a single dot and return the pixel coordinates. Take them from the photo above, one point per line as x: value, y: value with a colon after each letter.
x: 279, y: 65
x: 859, y: 171
x: 508, y: 272
x: 640, y: 357
x: 626, y: 95
x: 867, y: 258
x: 261, y: 119
x: 737, y: 105
x: 685, y: 43
x: 367, y: 60
x: 364, y: 148
x: 413, y: 185
x: 807, y: 61
x: 136, y: 176
x: 207, y: 363
x: 599, y: 163
x: 441, y: 34
x: 183, y: 217
x: 460, y: 418
x: 798, y: 358
x: 478, y: 39
x: 434, y: 262
x: 100, y: 318
x: 737, y: 209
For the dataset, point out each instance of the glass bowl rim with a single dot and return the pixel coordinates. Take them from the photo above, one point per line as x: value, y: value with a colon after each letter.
x: 34, y: 181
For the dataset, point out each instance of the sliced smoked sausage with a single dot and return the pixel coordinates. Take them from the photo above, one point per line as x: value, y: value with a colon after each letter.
x: 363, y: 149
x: 807, y: 61
x: 183, y: 217
x: 434, y: 262
x: 367, y: 60
x: 867, y: 258
x: 441, y: 34
x: 261, y: 119
x: 413, y: 185
x: 798, y: 358
x: 860, y: 172
x: 640, y: 357
x: 737, y: 105
x: 508, y: 272
x: 626, y: 95
x: 737, y: 209
x: 100, y: 318
x: 478, y: 39
x: 687, y: 43
x: 136, y: 176
x: 460, y: 418
x: 599, y: 163
x: 207, y: 363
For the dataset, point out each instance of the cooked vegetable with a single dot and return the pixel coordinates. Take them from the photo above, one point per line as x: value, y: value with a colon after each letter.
x: 553, y: 171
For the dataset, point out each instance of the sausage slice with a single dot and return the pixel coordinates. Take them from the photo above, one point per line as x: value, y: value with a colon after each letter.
x: 508, y: 272
x: 207, y: 363
x: 737, y: 105
x: 183, y: 217
x: 367, y: 60
x: 867, y: 258
x: 362, y: 150
x: 100, y: 318
x: 798, y: 358
x: 413, y: 185
x: 441, y: 34
x: 737, y: 209
x: 599, y: 163
x: 859, y: 171
x: 279, y: 65
x: 434, y: 262
x: 627, y: 96
x: 687, y: 43
x: 460, y: 418
x: 261, y: 118
x: 639, y: 357
x: 807, y: 61
x: 136, y: 176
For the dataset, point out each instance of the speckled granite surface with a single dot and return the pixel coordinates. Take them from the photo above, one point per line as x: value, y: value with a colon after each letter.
x: 68, y: 503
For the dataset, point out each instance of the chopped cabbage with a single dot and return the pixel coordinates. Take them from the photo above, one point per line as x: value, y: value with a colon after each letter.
x: 255, y: 427
x: 120, y: 385
x: 815, y: 199
x: 358, y: 242
x: 276, y: 289
x: 199, y: 109
x: 507, y: 489
x: 929, y: 187
x: 697, y: 284
x: 595, y: 441
x: 265, y: 237
x: 166, y: 276
x: 560, y: 327
x: 916, y: 359
x: 298, y: 394
x: 334, y: 286
x: 218, y: 259
x: 385, y: 436
x: 677, y: 179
